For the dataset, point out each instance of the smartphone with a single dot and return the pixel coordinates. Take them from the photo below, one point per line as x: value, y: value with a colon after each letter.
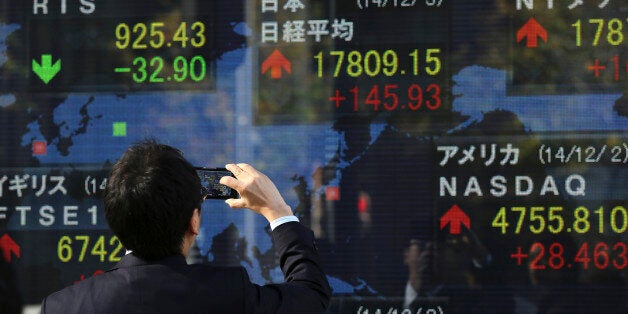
x: 210, y: 183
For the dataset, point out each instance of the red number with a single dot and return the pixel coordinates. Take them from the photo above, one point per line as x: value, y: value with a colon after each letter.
x: 354, y: 91
x: 98, y: 272
x: 82, y: 277
x: 615, y: 60
x: 583, y: 256
x: 541, y: 251
x: 391, y: 94
x: 556, y: 255
x: 622, y: 255
x: 415, y: 94
x: 435, y: 101
x: 373, y: 98
x: 600, y: 250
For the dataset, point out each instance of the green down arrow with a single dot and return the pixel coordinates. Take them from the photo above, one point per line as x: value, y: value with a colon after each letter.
x: 46, y: 71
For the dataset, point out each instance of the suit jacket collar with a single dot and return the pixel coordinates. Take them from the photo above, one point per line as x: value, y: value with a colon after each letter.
x: 131, y: 260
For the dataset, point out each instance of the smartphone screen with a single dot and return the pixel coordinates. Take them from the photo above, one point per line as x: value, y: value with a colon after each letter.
x: 210, y: 181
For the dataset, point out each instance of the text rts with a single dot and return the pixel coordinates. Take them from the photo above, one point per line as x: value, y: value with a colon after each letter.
x: 45, y: 7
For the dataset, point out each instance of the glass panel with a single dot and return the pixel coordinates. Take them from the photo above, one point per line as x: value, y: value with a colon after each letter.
x: 449, y: 156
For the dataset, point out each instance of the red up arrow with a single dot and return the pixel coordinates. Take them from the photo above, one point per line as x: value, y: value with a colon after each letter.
x: 455, y: 217
x: 8, y: 246
x: 275, y: 63
x: 531, y: 29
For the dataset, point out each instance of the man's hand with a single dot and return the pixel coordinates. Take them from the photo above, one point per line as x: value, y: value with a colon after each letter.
x: 257, y: 192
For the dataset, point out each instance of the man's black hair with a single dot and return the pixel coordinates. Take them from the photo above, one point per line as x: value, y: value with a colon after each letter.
x: 150, y: 197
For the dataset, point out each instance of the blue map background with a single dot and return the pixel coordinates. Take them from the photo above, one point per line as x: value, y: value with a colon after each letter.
x: 214, y: 128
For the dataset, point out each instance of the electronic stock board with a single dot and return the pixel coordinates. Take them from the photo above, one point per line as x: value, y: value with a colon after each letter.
x: 450, y: 156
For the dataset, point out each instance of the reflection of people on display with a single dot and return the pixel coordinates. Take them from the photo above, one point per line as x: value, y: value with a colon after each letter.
x: 152, y: 203
x: 318, y: 205
x: 447, y: 273
x: 418, y: 257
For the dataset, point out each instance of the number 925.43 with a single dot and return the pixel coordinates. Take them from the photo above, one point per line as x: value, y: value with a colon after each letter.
x: 157, y: 35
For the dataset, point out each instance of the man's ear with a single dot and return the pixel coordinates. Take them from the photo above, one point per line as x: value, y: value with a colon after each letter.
x: 195, y: 222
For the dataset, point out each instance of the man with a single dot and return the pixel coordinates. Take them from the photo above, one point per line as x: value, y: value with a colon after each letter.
x: 446, y: 272
x: 418, y: 256
x: 152, y: 203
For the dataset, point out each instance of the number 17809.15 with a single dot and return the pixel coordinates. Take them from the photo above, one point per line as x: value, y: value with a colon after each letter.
x: 373, y: 63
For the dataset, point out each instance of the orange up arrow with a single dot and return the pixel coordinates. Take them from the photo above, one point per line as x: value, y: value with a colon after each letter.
x: 275, y: 63
x: 8, y: 246
x: 531, y: 29
x: 455, y: 217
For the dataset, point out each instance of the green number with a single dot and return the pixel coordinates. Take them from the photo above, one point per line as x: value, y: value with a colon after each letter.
x: 552, y: 216
x: 155, y: 32
x: 113, y: 257
x: 64, y: 250
x: 200, y: 40
x: 415, y: 61
x: 578, y: 26
x: 200, y: 61
x: 534, y: 217
x: 391, y: 62
x: 85, y: 240
x: 600, y: 214
x: 341, y: 56
x: 142, y: 30
x: 123, y: 34
x: 500, y: 220
x: 99, y: 248
x: 624, y: 221
x: 319, y: 63
x: 181, y: 35
x: 140, y: 75
x: 431, y: 58
x: 354, y: 60
x: 158, y: 64
x: 615, y: 32
x: 372, y: 55
x: 180, y: 66
x: 581, y: 223
x: 522, y: 216
x: 598, y: 32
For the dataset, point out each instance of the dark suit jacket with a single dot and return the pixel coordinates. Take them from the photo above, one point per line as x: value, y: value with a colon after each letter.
x: 172, y: 286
